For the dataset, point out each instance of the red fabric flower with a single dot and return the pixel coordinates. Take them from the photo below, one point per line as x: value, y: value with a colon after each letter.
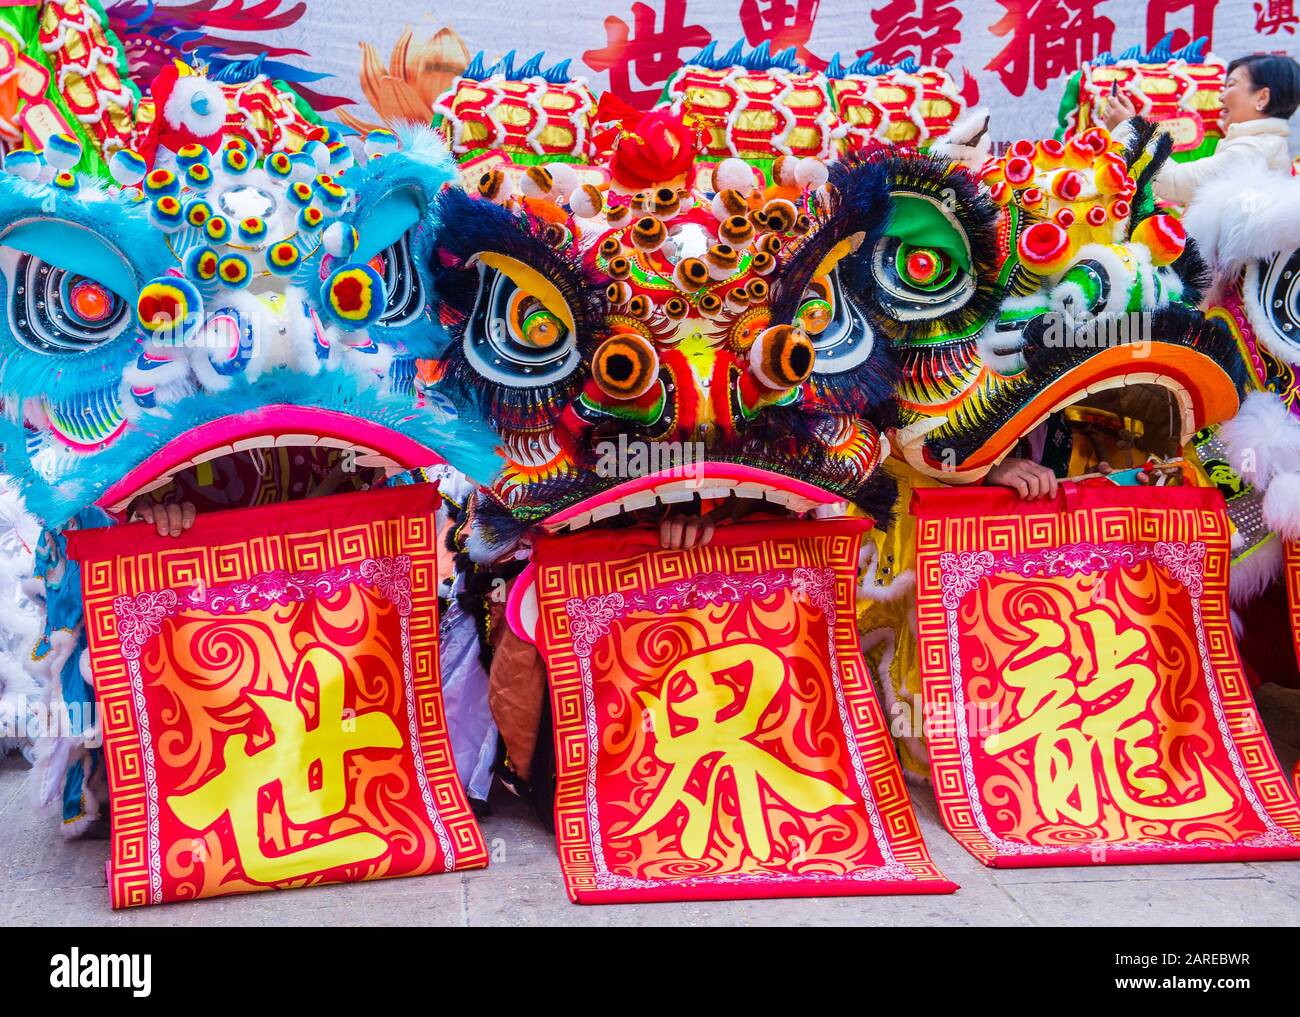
x: 650, y: 148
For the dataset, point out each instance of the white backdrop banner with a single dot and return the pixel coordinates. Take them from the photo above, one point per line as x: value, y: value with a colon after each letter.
x: 386, y: 59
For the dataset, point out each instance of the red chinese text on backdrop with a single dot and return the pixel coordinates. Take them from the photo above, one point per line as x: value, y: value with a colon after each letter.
x: 926, y: 30
x: 1049, y: 39
x: 648, y: 51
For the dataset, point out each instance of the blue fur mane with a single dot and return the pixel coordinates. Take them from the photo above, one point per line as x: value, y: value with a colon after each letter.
x: 463, y: 441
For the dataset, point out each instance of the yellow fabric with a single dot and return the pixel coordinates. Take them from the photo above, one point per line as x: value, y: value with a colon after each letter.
x: 833, y: 257
x: 889, y: 625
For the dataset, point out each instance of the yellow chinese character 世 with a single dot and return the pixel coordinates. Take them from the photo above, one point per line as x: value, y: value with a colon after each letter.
x: 297, y: 759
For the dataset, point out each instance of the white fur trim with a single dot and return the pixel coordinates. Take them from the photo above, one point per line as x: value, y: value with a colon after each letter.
x: 1003, y: 351
x: 302, y: 335
x: 968, y: 141
x: 1267, y: 334
x: 1252, y: 575
x: 1263, y: 439
x: 1234, y: 221
x: 894, y: 710
x: 1121, y: 278
x: 901, y: 585
x: 90, y: 803
x: 177, y: 111
x: 1282, y: 505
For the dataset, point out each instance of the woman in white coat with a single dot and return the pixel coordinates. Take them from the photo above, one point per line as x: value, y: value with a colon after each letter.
x: 1259, y: 96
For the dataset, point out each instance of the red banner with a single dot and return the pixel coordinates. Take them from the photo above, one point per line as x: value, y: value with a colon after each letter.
x: 717, y: 735
x: 269, y: 692
x: 1085, y: 697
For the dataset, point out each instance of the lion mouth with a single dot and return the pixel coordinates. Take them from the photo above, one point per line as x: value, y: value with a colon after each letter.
x: 277, y: 453
x: 677, y: 485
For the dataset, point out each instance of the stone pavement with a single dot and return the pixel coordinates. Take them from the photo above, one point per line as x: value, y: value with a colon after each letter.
x: 47, y: 881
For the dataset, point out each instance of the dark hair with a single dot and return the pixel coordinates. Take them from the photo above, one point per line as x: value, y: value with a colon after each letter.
x: 1279, y: 74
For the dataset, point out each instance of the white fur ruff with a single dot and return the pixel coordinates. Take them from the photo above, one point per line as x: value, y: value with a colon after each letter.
x: 1235, y: 221
x: 20, y: 619
x: 1282, y: 505
x: 1263, y: 439
x: 1252, y: 575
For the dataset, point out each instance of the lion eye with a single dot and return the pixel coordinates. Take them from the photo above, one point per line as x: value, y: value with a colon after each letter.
x: 53, y: 311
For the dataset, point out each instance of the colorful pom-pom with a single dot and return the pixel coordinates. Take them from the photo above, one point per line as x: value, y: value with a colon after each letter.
x: 169, y: 306
x: 354, y: 296
x: 587, y: 201
x: 329, y: 193
x: 1018, y: 171
x: 380, y: 142
x: 1045, y: 248
x: 197, y: 212
x: 127, y: 167
x: 1050, y: 155
x: 340, y: 239
x: 251, y: 229
x: 1069, y: 185
x: 304, y: 167
x: 234, y: 271
x: 62, y: 151
x: 201, y: 264
x: 198, y: 176
x: 283, y: 257
x: 160, y: 182
x: 278, y: 165
x: 340, y: 156
x: 27, y: 164
x: 299, y: 194
x: 235, y: 160
x: 318, y: 153
x: 1111, y: 173
x: 734, y: 174
x: 167, y: 213
x: 66, y: 181
x: 310, y: 219
x: 191, y: 155
x: 811, y: 173
x: 217, y: 229
x: 1163, y: 235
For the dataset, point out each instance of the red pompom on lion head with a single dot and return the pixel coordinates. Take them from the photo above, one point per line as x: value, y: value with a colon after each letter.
x: 649, y: 148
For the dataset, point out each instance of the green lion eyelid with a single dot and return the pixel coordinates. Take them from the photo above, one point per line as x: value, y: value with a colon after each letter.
x: 922, y: 222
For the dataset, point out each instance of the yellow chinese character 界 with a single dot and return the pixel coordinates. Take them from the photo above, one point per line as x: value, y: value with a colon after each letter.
x: 1076, y: 756
x: 728, y: 740
x: 297, y: 759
